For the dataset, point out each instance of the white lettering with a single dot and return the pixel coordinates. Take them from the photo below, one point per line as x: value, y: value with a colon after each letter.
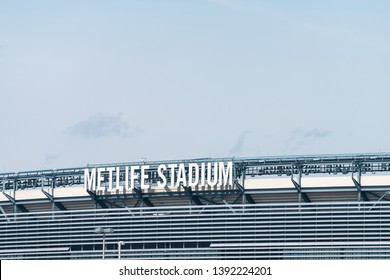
x: 191, y: 174
x: 90, y: 181
x: 127, y: 178
x: 100, y: 179
x: 144, y: 176
x: 163, y: 181
x: 172, y: 167
x: 203, y: 174
x: 181, y: 176
x: 110, y: 170
x: 225, y: 174
x: 193, y: 169
x: 118, y: 178
x: 212, y: 175
x: 133, y: 176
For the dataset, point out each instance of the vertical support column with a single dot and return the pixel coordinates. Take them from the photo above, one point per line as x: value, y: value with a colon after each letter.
x: 297, y: 183
x: 357, y: 181
x: 14, y: 196
x: 300, y: 183
x: 243, y: 185
x: 53, y: 185
x: 360, y: 183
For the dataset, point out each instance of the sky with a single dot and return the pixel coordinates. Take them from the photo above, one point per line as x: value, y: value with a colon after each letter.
x: 84, y: 82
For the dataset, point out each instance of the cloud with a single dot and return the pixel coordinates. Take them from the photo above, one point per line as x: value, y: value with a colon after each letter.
x: 316, y: 133
x: 300, y: 137
x: 237, y: 148
x: 103, y: 125
x: 51, y: 158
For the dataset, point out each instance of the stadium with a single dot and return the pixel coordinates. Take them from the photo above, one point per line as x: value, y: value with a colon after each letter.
x: 290, y: 207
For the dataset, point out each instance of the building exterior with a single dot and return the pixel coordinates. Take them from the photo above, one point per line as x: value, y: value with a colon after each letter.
x: 297, y: 207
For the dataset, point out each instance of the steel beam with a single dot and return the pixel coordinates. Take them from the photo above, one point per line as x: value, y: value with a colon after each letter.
x: 381, y: 197
x: 19, y: 206
x: 5, y: 214
x: 298, y: 186
x: 249, y: 199
x: 357, y: 182
x: 97, y: 200
x: 238, y: 198
x: 258, y: 166
x: 305, y: 197
x: 59, y: 205
x: 144, y: 199
x: 246, y: 197
x: 192, y: 197
x: 209, y: 201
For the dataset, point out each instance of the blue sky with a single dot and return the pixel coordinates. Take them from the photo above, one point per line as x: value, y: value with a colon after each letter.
x: 112, y: 81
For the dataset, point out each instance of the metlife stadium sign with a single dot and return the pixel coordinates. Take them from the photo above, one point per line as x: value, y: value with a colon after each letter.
x: 168, y: 175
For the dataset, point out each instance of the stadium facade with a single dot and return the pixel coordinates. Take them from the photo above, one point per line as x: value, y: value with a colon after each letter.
x: 296, y: 207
